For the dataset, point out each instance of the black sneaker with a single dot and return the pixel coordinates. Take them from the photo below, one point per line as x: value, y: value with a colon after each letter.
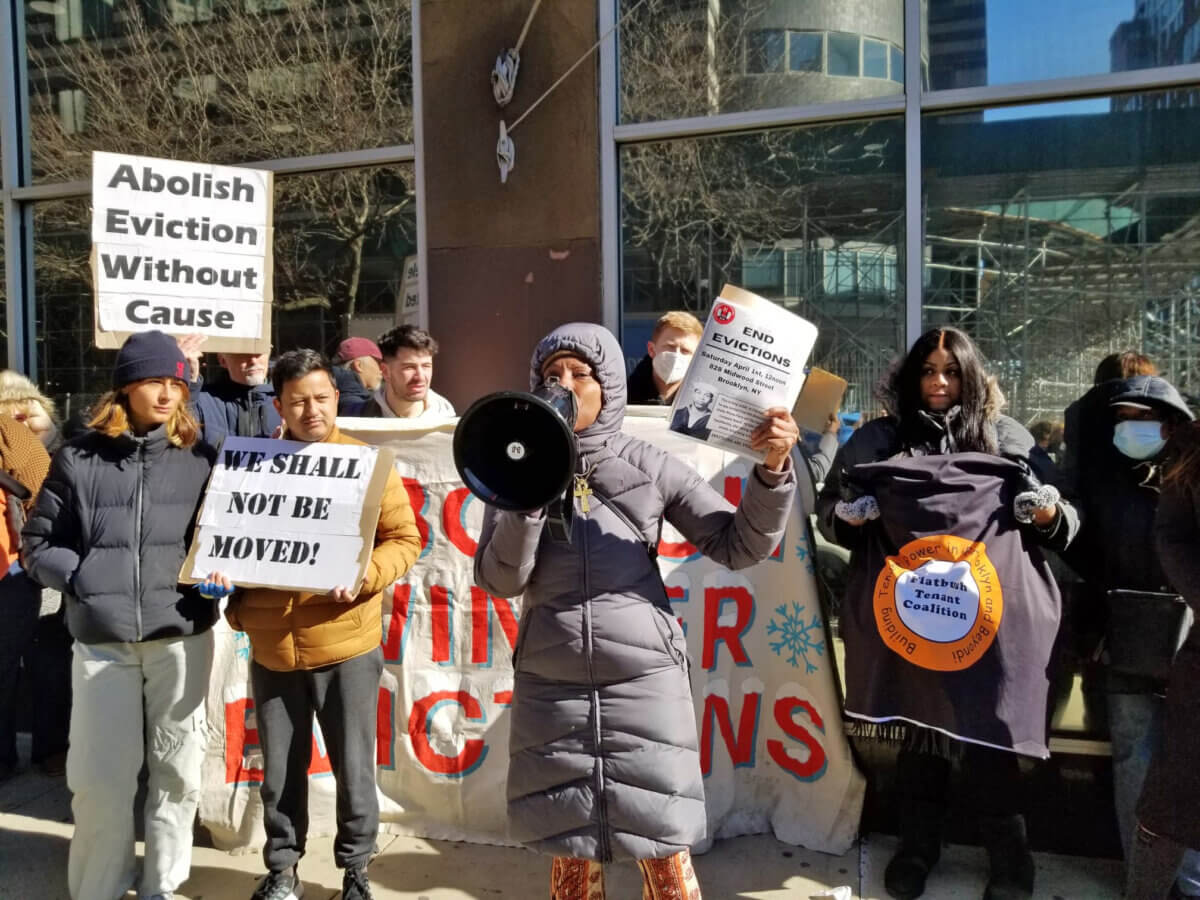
x: 285, y: 885
x: 355, y: 885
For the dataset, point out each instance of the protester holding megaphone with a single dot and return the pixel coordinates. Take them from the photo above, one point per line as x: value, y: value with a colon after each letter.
x: 604, y: 760
x: 109, y: 530
x: 950, y: 613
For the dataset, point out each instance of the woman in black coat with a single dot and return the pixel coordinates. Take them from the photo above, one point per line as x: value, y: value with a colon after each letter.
x: 1169, y: 811
x: 941, y: 401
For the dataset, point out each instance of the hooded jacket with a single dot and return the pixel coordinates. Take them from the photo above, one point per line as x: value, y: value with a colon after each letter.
x: 604, y: 761
x: 226, y: 407
x: 110, y: 529
x: 1117, y: 497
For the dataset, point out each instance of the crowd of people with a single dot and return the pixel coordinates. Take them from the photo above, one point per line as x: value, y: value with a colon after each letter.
x: 117, y: 652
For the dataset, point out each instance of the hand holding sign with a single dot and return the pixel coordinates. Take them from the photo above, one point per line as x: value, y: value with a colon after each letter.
x: 341, y: 594
x: 190, y: 345
x: 777, y: 435
x: 216, y: 586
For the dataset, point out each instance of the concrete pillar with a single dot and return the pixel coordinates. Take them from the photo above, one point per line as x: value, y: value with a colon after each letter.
x: 507, y: 263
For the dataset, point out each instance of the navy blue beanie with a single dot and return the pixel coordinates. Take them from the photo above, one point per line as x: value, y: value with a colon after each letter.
x: 149, y: 354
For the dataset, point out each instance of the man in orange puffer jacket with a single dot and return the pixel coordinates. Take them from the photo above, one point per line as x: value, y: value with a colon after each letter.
x: 321, y: 654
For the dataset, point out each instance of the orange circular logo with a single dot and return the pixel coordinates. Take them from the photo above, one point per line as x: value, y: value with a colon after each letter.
x: 938, y: 602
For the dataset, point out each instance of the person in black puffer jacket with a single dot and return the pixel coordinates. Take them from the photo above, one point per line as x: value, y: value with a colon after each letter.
x: 110, y: 530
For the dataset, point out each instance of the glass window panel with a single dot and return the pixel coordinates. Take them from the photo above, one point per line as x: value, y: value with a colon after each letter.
x: 762, y: 269
x: 341, y: 239
x: 897, y: 70
x: 805, y: 49
x: 875, y: 59
x: 765, y: 51
x: 843, y: 54
x: 1059, y: 233
x: 1055, y: 235
x: 824, y: 203
x: 686, y: 58
x: 173, y: 78
x: 978, y: 43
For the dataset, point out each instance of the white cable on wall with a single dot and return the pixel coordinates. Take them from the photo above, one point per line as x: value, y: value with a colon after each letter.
x: 506, y: 151
x: 508, y: 63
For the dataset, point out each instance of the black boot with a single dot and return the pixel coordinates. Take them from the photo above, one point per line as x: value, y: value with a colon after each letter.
x: 922, y: 780
x: 1010, y: 862
x: 920, y: 849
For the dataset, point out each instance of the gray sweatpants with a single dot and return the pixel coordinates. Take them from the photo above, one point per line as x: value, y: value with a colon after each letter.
x: 344, y: 697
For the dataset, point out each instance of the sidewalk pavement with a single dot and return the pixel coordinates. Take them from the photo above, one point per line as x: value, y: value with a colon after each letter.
x: 35, y: 830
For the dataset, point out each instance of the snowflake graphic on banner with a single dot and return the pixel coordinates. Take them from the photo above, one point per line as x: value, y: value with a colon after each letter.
x: 797, y: 638
x: 804, y: 553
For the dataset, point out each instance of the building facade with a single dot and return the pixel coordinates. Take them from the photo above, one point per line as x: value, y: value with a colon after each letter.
x: 1025, y: 171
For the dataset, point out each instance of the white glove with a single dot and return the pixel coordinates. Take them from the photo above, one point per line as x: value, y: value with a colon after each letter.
x: 857, y: 512
x: 1027, y: 502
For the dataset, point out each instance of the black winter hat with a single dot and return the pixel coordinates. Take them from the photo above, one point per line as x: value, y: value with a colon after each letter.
x: 149, y: 354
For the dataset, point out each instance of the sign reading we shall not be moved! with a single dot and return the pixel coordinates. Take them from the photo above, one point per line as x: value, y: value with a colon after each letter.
x: 181, y: 247
x: 289, y: 515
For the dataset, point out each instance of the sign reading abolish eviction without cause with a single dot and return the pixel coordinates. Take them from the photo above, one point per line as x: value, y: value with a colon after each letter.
x: 289, y: 515
x: 181, y: 247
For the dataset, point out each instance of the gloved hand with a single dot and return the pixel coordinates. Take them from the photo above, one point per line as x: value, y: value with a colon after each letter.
x: 857, y: 512
x: 1026, y: 503
x: 215, y: 586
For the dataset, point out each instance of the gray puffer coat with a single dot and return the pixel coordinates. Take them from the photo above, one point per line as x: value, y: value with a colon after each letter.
x: 604, y: 761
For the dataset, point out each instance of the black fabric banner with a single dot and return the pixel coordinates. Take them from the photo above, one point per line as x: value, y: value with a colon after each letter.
x: 951, y: 613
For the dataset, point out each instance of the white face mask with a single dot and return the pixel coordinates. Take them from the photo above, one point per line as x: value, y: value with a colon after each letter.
x: 671, y: 366
x: 1139, y: 439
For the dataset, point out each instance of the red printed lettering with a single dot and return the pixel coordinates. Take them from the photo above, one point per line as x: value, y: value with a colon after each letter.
x: 418, y: 499
x: 742, y: 746
x: 396, y: 633
x: 453, y: 524
x: 813, y: 767
x: 482, y: 603
x: 715, y: 633
x: 439, y: 609
x: 420, y: 722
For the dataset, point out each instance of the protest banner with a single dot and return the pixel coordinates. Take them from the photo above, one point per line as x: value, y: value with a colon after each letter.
x: 773, y: 753
x: 951, y: 613
x: 181, y: 247
x: 750, y: 358
x: 288, y: 514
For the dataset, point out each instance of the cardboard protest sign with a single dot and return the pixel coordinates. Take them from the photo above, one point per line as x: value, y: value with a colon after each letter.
x: 820, y: 399
x: 750, y: 358
x: 289, y: 515
x: 772, y: 750
x: 950, y: 613
x: 184, y: 248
